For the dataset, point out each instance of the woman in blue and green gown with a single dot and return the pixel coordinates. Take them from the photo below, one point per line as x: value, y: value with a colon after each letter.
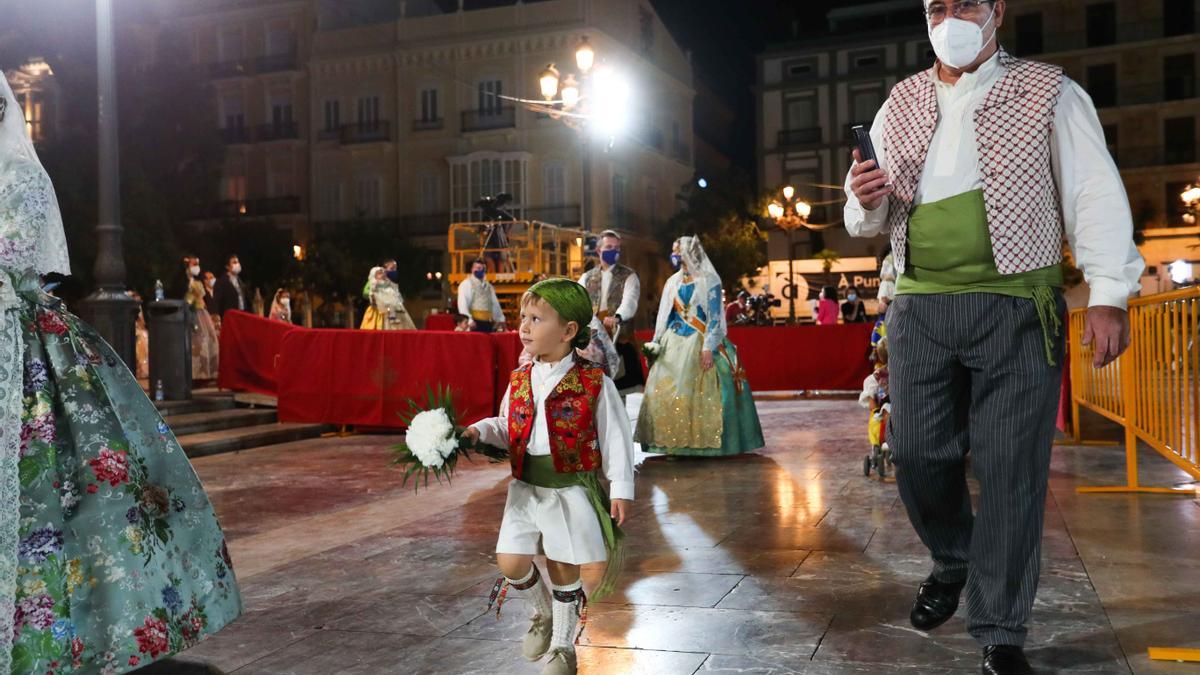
x: 111, y: 557
x: 697, y: 399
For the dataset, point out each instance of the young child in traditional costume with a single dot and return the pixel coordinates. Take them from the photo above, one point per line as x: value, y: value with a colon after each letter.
x: 874, y: 397
x: 561, y: 421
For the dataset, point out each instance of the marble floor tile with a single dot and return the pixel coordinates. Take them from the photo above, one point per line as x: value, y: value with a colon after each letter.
x: 787, y: 560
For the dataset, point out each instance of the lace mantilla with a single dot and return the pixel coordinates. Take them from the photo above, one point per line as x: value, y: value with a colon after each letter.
x: 11, y: 376
x: 31, y: 237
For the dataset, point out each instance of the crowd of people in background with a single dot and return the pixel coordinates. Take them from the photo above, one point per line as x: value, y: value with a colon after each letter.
x: 476, y: 307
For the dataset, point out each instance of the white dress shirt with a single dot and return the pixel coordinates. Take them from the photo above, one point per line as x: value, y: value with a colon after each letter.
x: 1095, y: 208
x: 471, y: 293
x: 612, y: 425
x: 629, y: 295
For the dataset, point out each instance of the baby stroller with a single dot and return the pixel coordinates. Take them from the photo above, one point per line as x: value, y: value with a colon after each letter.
x: 880, y: 457
x: 875, y: 398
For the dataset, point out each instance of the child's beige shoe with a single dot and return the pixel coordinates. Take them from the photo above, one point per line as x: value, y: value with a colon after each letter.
x: 562, y: 662
x: 537, y: 640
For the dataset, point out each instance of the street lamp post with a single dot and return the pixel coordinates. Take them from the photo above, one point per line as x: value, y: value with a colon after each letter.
x: 600, y: 100
x: 109, y: 309
x: 1191, y: 201
x: 790, y: 214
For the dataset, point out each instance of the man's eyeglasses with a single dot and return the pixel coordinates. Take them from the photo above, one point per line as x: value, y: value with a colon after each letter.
x: 938, y: 11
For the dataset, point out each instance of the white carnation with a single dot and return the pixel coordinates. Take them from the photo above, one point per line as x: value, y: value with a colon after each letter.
x: 652, y: 348
x: 431, y: 437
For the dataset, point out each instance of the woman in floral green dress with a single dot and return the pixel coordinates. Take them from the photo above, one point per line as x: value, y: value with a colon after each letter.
x: 110, y: 553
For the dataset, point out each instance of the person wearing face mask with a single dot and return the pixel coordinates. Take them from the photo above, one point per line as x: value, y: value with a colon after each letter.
x: 228, y: 291
x: 388, y: 303
x: 477, y: 299
x: 615, y: 289
x: 854, y: 310
x: 986, y: 162
x: 281, y: 306
x: 206, y: 348
x: 210, y: 302
x: 698, y: 402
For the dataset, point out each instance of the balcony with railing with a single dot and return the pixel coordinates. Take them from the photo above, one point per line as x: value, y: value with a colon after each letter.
x: 231, y: 68
x: 484, y: 120
x: 1160, y: 155
x: 428, y: 125
x: 366, y: 132
x: 415, y: 225
x: 793, y: 137
x: 566, y: 216
x: 681, y: 151
x: 1136, y: 31
x: 1178, y: 89
x: 236, y: 135
x: 250, y: 208
x: 649, y: 137
x: 274, y: 63
x: 277, y: 131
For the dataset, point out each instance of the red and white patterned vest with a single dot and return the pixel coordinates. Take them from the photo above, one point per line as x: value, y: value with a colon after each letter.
x: 570, y: 418
x: 1012, y: 128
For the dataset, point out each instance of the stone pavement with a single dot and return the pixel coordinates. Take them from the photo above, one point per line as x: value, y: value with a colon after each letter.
x: 785, y: 561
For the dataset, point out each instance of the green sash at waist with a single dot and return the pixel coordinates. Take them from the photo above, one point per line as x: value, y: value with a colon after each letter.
x: 539, y: 471
x: 950, y: 252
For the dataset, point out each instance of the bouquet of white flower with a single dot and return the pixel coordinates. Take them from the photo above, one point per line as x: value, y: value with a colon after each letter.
x: 651, y: 350
x: 434, y: 441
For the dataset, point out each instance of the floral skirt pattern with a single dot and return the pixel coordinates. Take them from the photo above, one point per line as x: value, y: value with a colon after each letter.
x: 121, y: 560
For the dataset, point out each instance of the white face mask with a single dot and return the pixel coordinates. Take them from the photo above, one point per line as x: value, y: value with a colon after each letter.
x: 195, y: 270
x: 286, y: 302
x: 957, y: 42
x: 237, y: 268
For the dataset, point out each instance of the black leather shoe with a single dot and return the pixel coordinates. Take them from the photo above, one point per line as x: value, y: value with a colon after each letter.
x: 1005, y: 660
x: 936, y: 603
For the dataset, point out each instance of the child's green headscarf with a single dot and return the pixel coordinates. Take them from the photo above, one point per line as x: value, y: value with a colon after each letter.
x: 572, y: 303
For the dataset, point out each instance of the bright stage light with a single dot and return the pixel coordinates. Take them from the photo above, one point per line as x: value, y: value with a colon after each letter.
x: 1180, y: 271
x: 611, y: 96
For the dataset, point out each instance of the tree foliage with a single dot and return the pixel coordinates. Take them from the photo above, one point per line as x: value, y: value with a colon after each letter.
x: 725, y: 216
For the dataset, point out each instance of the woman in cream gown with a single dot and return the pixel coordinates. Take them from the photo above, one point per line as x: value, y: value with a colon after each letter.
x: 387, y: 310
x: 697, y: 399
x: 206, y: 347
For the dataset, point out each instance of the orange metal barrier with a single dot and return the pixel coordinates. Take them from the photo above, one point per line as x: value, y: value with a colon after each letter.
x: 1153, y: 390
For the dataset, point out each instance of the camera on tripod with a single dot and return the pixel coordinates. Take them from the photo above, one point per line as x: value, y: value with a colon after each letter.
x: 758, y: 309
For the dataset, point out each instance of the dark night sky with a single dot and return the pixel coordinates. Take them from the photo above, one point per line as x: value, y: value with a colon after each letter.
x: 726, y: 35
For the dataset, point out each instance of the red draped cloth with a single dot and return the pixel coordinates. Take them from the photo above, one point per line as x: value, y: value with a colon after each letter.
x: 802, y: 357
x: 439, y: 321
x: 249, y: 350
x: 508, y: 350
x: 367, y: 377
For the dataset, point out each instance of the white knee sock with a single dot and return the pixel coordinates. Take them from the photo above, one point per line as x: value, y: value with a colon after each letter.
x: 535, y: 591
x: 568, y: 601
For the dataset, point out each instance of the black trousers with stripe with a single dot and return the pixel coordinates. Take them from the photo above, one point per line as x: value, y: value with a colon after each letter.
x: 968, y: 373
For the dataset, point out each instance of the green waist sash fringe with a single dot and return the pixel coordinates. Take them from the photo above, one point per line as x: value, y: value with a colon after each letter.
x: 539, y: 471
x: 950, y: 252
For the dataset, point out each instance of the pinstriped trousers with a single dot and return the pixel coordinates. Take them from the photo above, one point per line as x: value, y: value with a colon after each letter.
x: 969, y: 373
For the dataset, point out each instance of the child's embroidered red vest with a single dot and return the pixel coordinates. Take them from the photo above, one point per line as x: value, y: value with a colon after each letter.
x: 570, y: 418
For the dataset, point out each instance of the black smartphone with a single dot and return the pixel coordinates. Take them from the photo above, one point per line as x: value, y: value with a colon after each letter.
x: 861, y: 137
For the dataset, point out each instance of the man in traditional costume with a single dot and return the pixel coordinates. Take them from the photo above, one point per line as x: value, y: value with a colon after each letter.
x: 615, y: 289
x: 477, y: 299
x: 985, y: 162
